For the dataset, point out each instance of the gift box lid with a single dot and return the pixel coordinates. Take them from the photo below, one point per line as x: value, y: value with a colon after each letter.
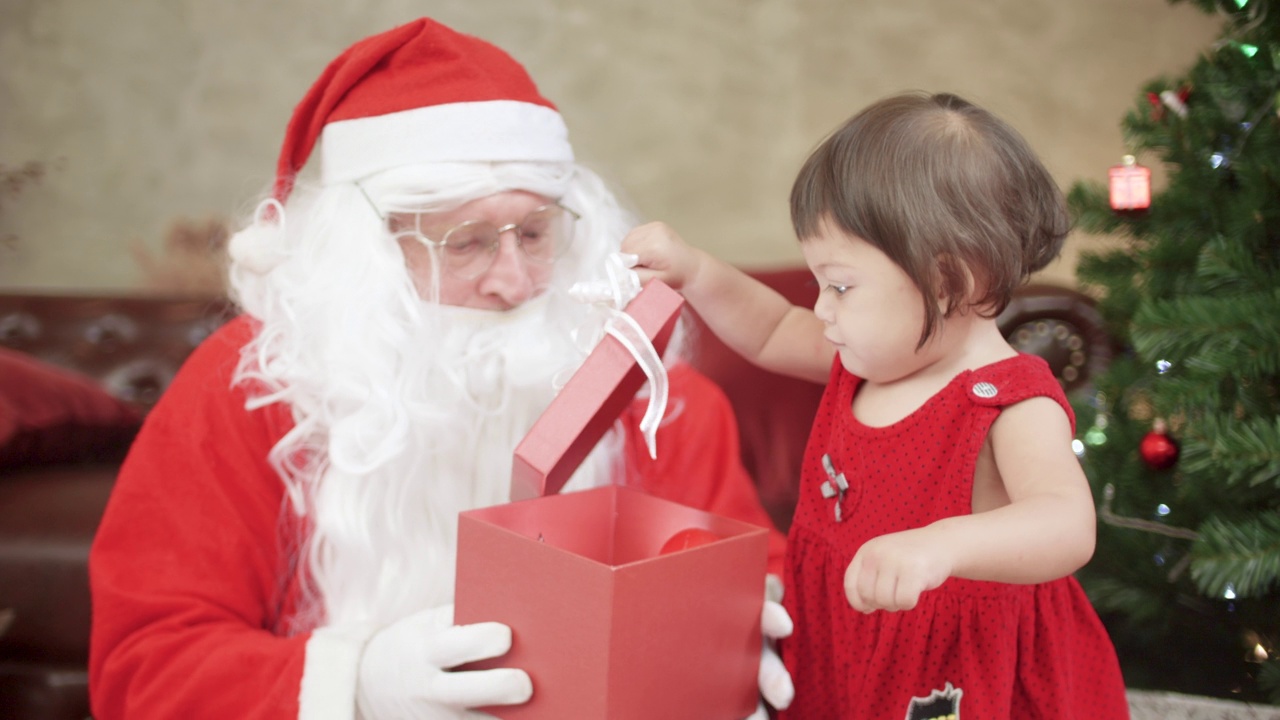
x: 588, y: 404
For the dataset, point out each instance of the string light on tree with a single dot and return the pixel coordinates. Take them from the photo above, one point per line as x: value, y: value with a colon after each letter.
x: 1097, y: 434
x: 1255, y: 647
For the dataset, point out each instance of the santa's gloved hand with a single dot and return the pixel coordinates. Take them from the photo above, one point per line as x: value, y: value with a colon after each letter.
x: 775, y: 682
x: 404, y: 669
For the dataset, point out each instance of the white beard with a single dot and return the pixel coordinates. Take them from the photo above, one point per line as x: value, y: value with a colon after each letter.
x: 470, y: 385
x: 393, y: 435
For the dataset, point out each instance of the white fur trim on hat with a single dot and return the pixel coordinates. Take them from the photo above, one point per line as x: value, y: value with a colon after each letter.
x: 488, y: 131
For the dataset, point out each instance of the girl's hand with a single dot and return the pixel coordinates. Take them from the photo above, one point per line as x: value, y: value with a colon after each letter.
x: 890, y: 572
x: 663, y: 254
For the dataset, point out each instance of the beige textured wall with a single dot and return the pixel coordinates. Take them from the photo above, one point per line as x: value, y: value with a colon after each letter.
x: 700, y: 110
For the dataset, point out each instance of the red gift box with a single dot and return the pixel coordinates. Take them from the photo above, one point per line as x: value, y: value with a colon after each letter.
x: 606, y: 625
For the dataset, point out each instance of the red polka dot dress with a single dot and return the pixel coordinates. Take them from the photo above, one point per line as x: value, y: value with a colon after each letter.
x: 969, y: 650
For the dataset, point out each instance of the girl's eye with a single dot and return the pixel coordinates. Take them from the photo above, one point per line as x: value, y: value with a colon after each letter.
x: 839, y: 289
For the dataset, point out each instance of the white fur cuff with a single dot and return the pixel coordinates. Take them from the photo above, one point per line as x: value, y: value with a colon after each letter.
x: 329, y: 674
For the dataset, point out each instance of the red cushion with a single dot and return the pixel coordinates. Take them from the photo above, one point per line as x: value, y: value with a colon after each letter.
x: 51, y: 415
x: 775, y: 412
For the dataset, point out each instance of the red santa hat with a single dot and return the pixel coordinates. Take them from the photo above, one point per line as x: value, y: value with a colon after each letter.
x: 419, y: 93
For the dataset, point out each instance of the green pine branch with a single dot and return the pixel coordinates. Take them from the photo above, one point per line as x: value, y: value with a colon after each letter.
x: 1137, y: 603
x: 1239, y: 557
x: 1236, y: 451
x: 1229, y: 266
x: 1236, y: 335
x: 1091, y: 205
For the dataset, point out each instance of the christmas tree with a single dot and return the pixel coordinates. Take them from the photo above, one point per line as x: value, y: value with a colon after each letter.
x: 1180, y: 437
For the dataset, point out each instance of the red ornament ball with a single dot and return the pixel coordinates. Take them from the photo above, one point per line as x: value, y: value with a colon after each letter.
x: 687, y: 539
x: 1158, y: 450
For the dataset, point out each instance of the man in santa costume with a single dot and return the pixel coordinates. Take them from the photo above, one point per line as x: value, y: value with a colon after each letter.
x: 281, y: 539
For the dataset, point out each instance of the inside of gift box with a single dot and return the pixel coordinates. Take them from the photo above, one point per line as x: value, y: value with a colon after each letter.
x: 612, y: 526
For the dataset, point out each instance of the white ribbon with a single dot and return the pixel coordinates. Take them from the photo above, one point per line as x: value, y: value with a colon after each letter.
x: 621, y: 287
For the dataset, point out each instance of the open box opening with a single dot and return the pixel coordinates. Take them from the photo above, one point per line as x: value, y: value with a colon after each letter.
x: 611, y: 526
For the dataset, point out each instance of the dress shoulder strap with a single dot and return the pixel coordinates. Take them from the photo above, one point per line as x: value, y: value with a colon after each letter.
x: 1011, y: 381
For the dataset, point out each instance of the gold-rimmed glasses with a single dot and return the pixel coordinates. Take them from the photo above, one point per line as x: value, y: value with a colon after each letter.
x: 467, y: 249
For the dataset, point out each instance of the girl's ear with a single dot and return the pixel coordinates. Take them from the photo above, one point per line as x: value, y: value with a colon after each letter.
x: 956, y: 284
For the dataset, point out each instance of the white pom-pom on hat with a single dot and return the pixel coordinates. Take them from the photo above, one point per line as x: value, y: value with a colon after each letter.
x: 259, y: 247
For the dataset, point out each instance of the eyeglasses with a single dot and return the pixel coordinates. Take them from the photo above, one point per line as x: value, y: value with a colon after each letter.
x: 467, y: 250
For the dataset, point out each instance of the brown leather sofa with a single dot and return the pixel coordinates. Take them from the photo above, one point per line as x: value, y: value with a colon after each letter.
x: 132, y: 346
x: 50, y: 506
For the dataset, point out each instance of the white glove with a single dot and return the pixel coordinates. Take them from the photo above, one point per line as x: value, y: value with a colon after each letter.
x: 404, y: 669
x: 775, y: 682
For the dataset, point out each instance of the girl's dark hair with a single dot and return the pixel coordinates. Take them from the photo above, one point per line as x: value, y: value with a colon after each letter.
x: 947, y: 190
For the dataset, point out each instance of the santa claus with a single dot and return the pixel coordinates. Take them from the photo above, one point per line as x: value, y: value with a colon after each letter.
x: 281, y: 539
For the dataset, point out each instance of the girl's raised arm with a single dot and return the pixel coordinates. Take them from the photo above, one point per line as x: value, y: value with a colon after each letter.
x: 753, y: 319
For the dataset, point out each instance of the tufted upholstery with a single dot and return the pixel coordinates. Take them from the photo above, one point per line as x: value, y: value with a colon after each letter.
x: 48, y: 514
x: 134, y: 345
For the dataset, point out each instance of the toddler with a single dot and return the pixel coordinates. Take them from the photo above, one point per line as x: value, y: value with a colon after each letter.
x: 941, y: 510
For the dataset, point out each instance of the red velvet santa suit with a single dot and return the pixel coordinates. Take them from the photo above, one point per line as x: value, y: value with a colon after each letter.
x: 193, y: 570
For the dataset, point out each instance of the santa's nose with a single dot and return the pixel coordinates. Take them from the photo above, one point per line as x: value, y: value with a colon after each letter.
x: 508, y: 278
